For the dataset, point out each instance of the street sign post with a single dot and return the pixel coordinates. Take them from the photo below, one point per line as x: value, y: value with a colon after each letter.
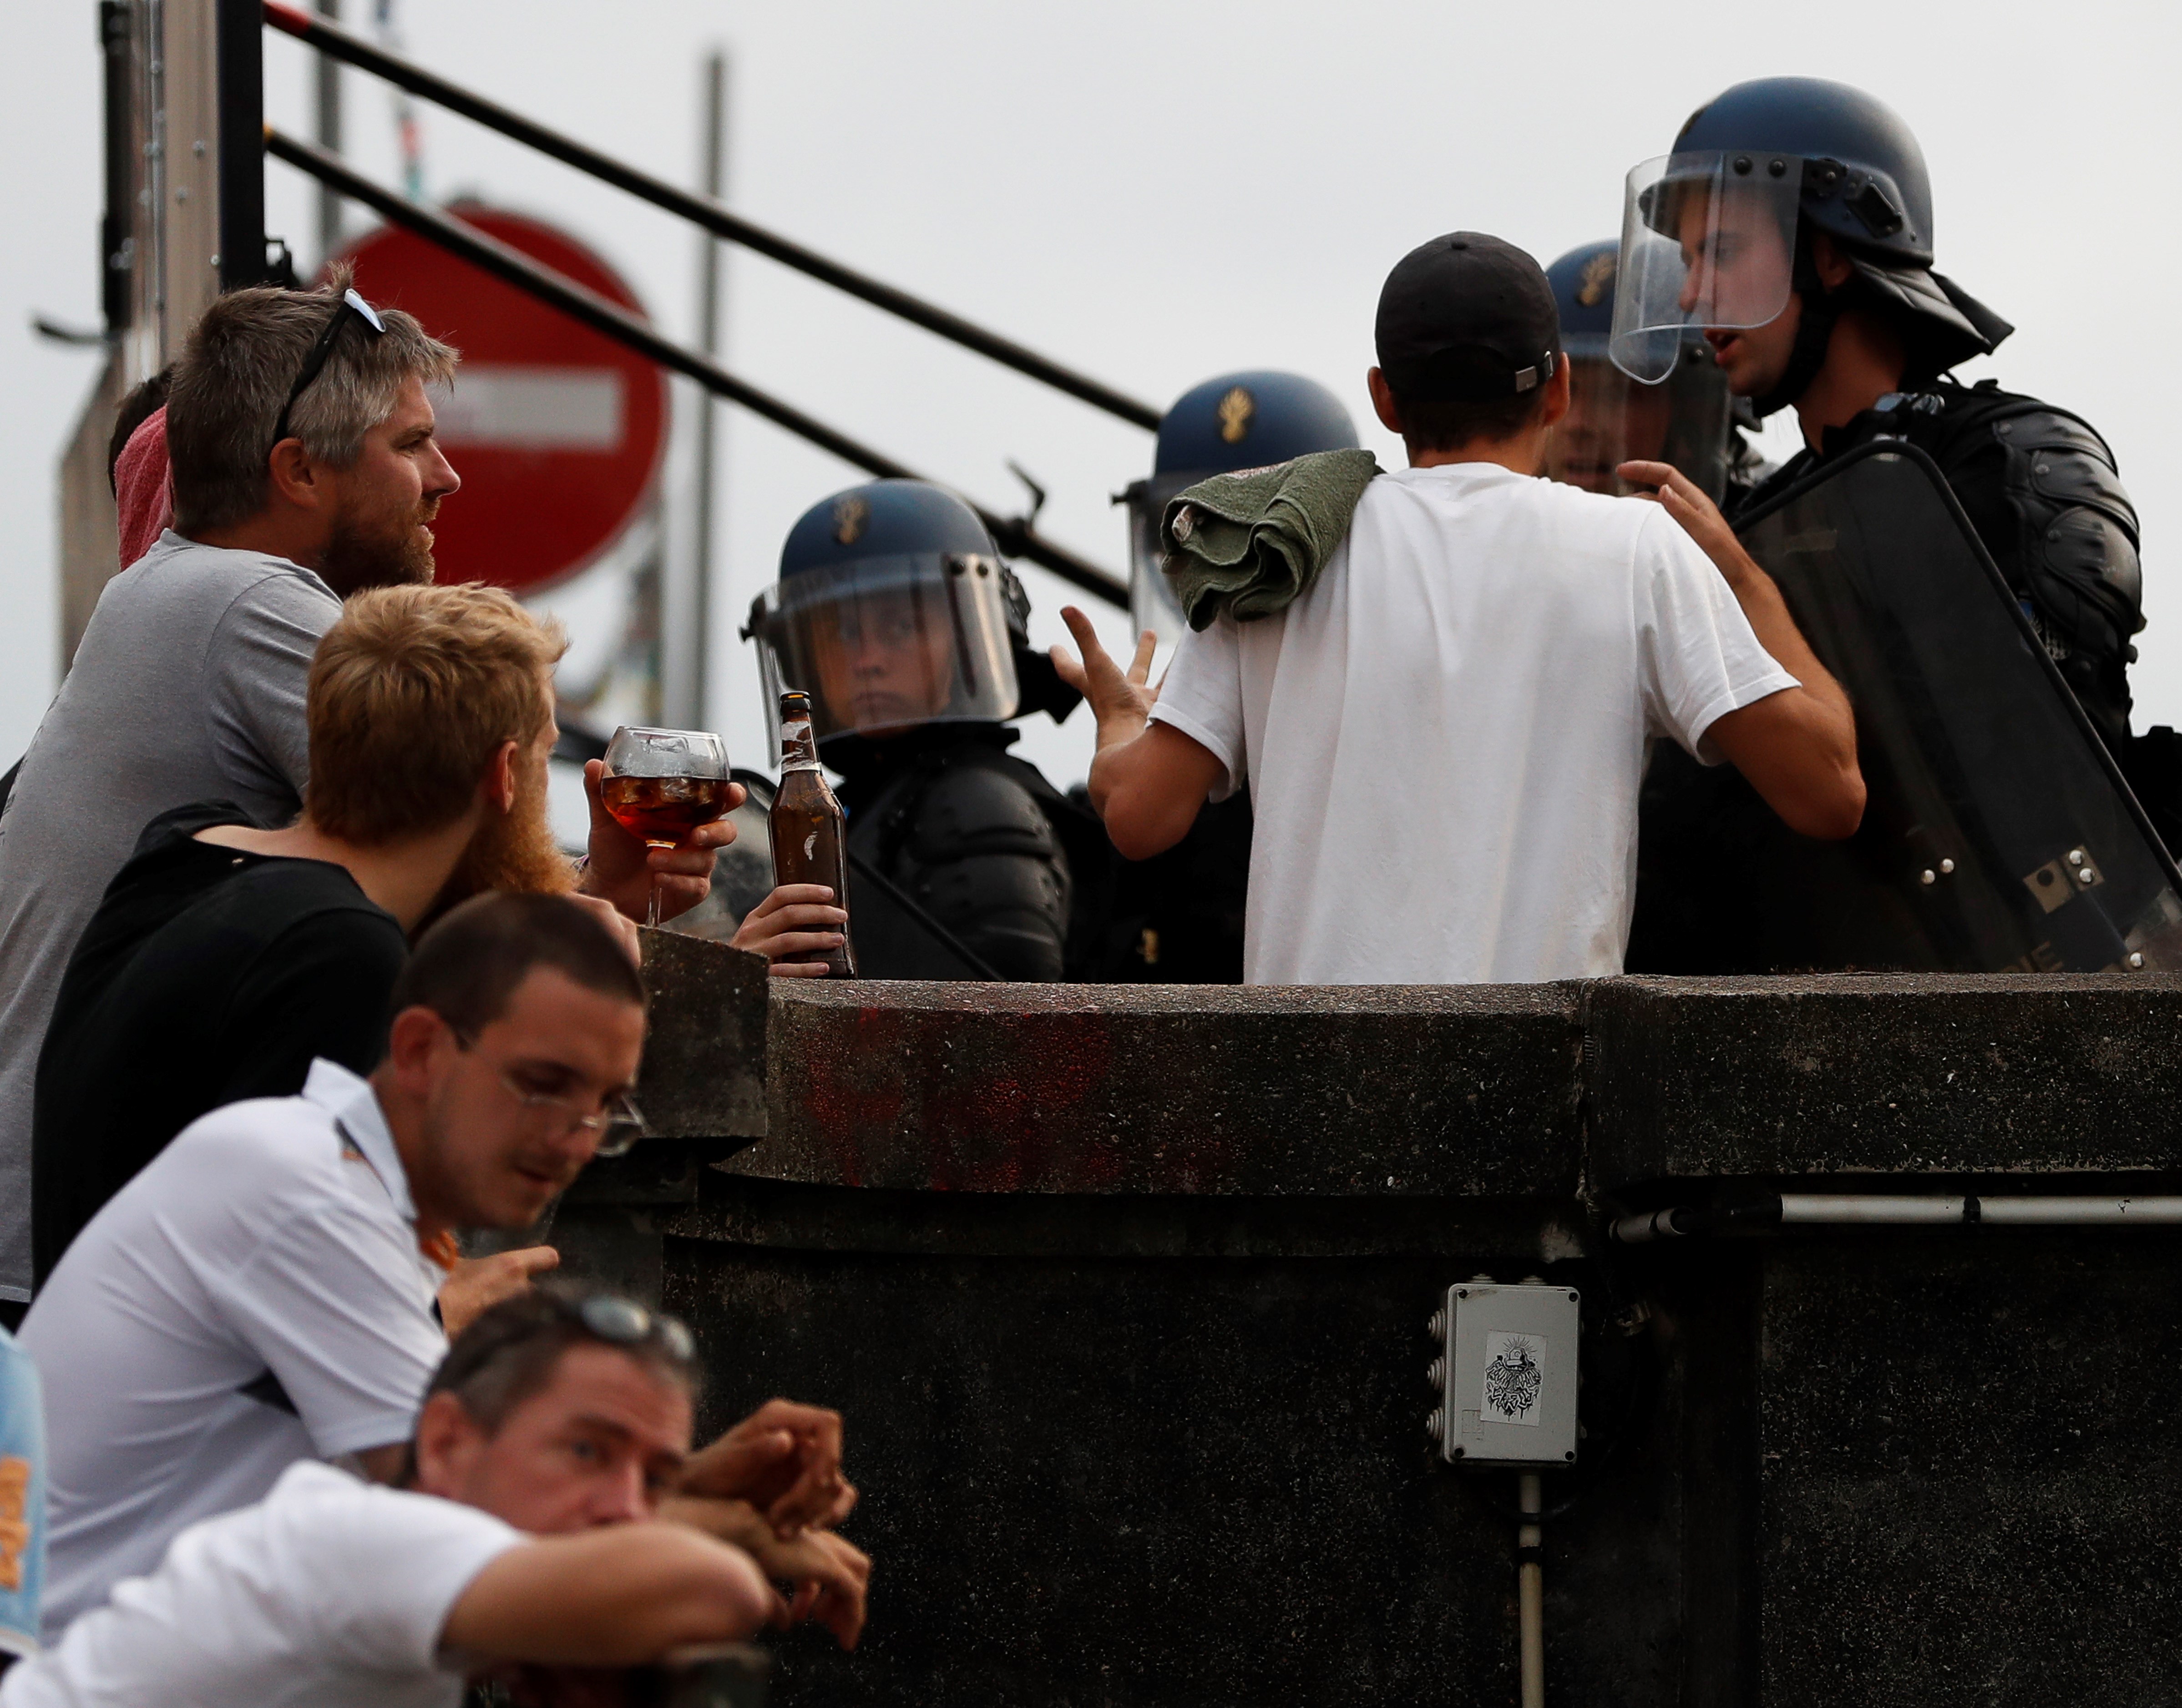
x: 557, y: 431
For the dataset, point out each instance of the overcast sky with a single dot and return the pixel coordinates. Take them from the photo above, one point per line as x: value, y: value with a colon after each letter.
x: 1154, y: 193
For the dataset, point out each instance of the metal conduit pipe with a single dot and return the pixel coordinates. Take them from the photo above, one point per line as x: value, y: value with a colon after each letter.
x: 1855, y: 1209
x: 1014, y: 534
x: 703, y: 210
x: 1531, y: 1589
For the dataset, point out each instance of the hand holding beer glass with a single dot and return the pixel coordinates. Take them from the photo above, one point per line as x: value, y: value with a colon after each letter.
x: 661, y: 784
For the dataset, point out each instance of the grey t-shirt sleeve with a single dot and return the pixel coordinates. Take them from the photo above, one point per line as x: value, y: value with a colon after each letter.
x: 258, y: 668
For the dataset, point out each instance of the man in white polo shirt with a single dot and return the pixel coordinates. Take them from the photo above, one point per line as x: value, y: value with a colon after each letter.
x: 264, y: 1291
x: 529, y: 1533
x: 1443, y: 734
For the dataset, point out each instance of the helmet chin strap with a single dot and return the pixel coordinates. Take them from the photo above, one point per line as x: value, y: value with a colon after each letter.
x: 1815, y: 331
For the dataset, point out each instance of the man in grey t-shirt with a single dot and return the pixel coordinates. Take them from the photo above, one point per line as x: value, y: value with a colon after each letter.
x: 189, y: 682
x: 304, y: 468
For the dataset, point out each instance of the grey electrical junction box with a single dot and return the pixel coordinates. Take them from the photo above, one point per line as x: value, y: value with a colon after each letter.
x: 1509, y: 1374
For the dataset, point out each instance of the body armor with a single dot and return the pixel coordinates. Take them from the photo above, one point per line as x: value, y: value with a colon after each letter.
x: 980, y: 843
x: 1998, y: 834
x: 2039, y: 487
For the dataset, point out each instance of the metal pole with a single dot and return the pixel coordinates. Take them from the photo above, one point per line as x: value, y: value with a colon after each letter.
x: 116, y: 239
x: 503, y: 262
x: 698, y: 647
x: 329, y: 136
x: 187, y: 130
x: 1530, y: 1589
x: 707, y: 213
x: 241, y: 98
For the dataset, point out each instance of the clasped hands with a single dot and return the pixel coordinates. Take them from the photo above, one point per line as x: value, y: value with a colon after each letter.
x: 773, y: 1486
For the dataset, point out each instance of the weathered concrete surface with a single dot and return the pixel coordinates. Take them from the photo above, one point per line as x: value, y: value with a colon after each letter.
x: 1120, y: 1291
x: 1193, y: 1089
x: 1969, y: 1470
x: 704, y: 1061
x: 1409, y: 1092
x: 1906, y: 1073
x: 1128, y: 1484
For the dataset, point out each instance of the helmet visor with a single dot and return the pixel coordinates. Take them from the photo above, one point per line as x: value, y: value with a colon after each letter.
x: 884, y: 644
x: 1612, y: 419
x: 1152, y: 603
x: 1708, y: 240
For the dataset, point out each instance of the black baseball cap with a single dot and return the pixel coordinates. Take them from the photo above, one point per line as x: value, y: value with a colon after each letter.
x: 1467, y: 318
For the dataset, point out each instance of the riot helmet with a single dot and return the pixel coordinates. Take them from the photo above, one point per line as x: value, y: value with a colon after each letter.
x: 893, y: 611
x: 1687, y: 421
x: 1238, y: 421
x: 1717, y: 234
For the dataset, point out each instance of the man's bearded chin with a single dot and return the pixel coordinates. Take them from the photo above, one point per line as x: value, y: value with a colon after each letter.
x: 358, y: 556
x: 514, y: 851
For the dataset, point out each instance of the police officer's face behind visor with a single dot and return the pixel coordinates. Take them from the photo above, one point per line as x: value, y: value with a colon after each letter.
x: 1611, y: 419
x: 883, y: 664
x: 1743, y: 261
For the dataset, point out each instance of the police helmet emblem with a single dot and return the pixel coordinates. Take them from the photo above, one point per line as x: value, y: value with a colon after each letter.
x: 850, y: 513
x: 1235, y: 411
x: 1598, y: 278
x: 1513, y: 1380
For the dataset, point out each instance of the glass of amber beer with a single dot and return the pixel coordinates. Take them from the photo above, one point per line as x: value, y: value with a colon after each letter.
x: 661, y: 784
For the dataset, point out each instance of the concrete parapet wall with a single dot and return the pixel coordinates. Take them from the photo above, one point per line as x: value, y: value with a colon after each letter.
x: 1121, y: 1292
x: 1198, y: 1089
x: 1842, y: 1074
x: 1505, y: 1091
x: 704, y: 1056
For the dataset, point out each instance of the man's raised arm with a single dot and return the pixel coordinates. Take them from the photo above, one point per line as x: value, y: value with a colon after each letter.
x: 1148, y: 780
x: 1797, y: 748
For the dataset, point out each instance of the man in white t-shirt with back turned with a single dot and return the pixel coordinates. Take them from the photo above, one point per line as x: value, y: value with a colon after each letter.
x: 1443, y: 735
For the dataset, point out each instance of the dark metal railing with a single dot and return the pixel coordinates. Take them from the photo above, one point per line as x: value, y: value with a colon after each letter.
x: 1015, y: 534
x: 703, y: 210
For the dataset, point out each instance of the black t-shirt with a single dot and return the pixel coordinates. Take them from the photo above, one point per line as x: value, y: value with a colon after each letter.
x: 207, y: 975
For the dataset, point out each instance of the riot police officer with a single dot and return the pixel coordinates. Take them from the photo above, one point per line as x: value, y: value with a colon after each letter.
x: 1793, y: 223
x: 1177, y: 918
x: 1248, y: 420
x: 896, y: 615
x: 1687, y: 419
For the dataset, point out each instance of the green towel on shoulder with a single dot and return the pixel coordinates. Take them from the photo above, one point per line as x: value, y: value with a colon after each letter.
x: 1250, y: 543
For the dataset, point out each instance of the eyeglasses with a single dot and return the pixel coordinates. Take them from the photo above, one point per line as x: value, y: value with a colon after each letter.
x: 315, y: 362
x: 621, y: 1322
x: 618, y: 1125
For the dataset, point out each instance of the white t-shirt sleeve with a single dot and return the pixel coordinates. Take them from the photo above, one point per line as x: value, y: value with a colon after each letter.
x: 1202, y: 697
x: 1702, y: 659
x: 343, y: 1317
x: 381, y: 1569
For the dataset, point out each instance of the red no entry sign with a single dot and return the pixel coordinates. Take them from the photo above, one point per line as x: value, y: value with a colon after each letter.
x: 556, y: 430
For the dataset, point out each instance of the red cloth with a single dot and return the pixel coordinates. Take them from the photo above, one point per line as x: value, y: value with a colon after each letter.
x: 142, y: 494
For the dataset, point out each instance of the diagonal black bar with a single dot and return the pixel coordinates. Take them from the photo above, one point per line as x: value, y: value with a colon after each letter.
x: 1014, y: 536
x: 703, y: 211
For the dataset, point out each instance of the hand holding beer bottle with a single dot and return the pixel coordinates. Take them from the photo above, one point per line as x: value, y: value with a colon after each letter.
x: 661, y: 784
x: 810, y: 840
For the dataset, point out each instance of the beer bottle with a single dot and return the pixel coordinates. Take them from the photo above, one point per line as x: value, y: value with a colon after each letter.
x: 810, y: 833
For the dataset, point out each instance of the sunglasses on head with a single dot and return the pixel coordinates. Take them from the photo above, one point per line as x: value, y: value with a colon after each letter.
x: 350, y: 305
x: 621, y: 1322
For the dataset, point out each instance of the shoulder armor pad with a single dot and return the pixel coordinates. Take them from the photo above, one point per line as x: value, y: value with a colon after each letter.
x: 2056, y: 458
x: 2078, y: 527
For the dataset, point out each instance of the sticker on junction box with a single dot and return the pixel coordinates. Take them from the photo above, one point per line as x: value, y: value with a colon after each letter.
x: 1514, y: 1374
